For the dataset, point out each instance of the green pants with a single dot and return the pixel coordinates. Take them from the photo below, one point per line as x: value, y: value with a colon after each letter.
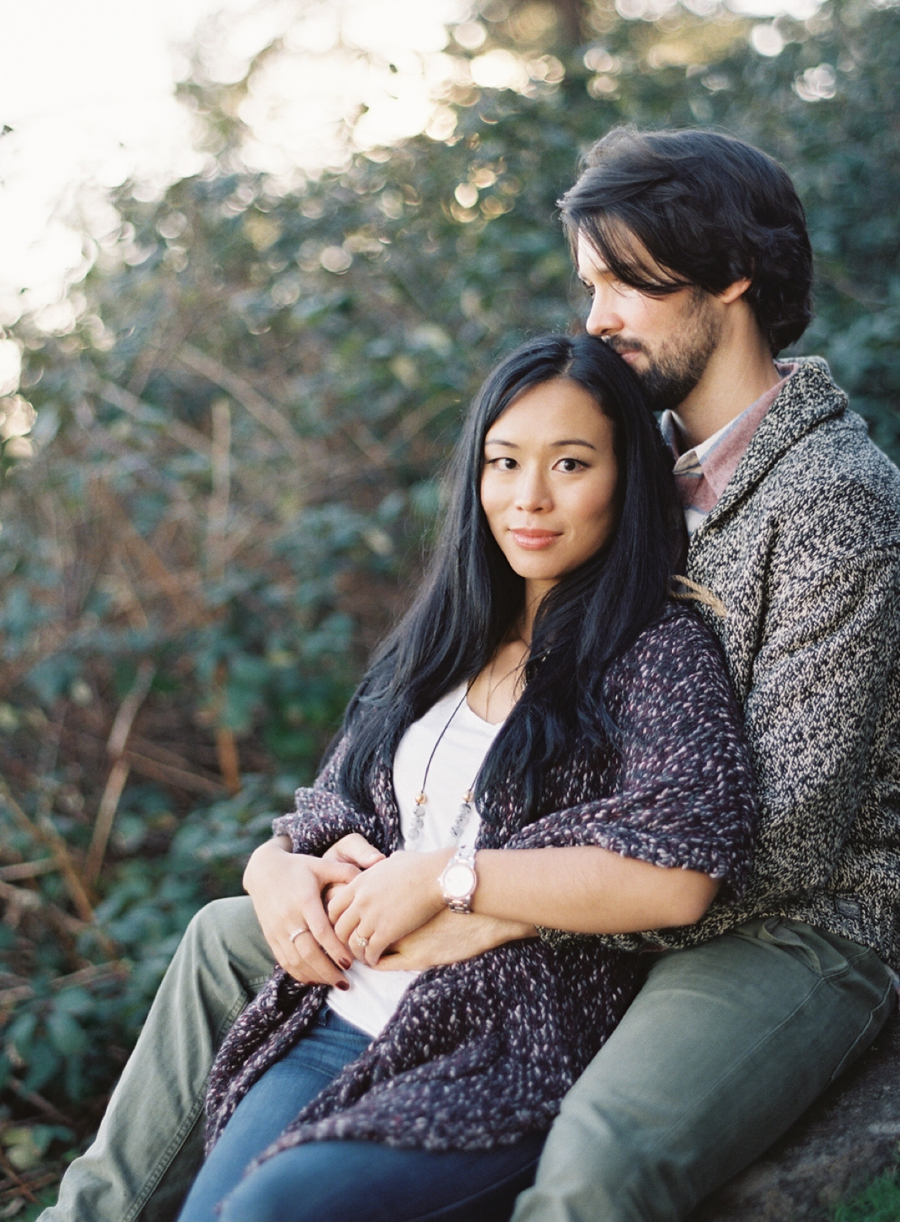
x: 150, y: 1143
x: 723, y: 1048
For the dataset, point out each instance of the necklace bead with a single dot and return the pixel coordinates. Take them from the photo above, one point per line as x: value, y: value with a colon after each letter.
x: 465, y: 810
x: 462, y: 817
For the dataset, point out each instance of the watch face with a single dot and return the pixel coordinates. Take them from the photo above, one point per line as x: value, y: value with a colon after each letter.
x: 459, y: 880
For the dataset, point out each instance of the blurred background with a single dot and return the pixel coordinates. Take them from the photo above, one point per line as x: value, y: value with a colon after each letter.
x: 254, y: 259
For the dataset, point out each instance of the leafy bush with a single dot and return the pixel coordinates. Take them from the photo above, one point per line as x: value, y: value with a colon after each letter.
x: 221, y: 503
x: 880, y: 1201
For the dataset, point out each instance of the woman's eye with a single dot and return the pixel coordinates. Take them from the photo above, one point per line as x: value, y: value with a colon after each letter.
x: 569, y: 465
x: 505, y: 463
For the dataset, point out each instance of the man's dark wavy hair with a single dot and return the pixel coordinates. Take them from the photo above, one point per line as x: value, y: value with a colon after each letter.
x: 470, y: 597
x: 708, y: 209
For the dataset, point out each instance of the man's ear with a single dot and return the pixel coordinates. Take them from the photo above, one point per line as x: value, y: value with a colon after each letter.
x: 735, y: 290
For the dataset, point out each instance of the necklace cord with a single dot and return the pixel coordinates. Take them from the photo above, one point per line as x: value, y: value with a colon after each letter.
x: 468, y: 795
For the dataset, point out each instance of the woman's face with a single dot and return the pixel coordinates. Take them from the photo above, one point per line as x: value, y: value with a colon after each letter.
x: 548, y: 485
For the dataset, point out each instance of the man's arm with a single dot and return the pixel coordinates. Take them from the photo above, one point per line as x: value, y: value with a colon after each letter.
x: 828, y: 650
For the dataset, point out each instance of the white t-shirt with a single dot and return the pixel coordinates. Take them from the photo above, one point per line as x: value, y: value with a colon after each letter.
x: 374, y: 994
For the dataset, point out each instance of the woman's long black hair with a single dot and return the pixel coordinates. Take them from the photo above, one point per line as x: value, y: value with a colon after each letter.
x: 471, y: 598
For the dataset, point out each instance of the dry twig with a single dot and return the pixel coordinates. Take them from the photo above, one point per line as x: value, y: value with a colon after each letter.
x: 182, y: 589
x: 21, y: 1185
x: 174, y: 776
x: 226, y: 744
x: 27, y: 871
x: 90, y: 976
x: 129, y: 403
x: 39, y: 1102
x: 249, y: 398
x: 217, y: 515
x: 47, y: 835
x: 118, y: 775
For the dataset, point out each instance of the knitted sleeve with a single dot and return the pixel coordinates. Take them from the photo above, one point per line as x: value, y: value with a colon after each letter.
x: 685, y: 794
x: 321, y: 814
x: 821, y: 678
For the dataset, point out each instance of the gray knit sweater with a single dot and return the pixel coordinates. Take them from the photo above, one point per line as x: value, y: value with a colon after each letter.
x: 481, y: 1052
x: 803, y: 548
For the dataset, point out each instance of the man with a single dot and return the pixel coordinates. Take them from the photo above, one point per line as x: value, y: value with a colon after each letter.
x: 695, y: 251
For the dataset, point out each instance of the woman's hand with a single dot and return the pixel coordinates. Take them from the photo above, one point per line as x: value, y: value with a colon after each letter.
x: 388, y: 901
x: 353, y: 849
x: 448, y: 938
x: 286, y: 891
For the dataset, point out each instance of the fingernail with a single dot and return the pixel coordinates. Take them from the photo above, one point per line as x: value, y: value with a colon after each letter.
x: 343, y: 986
x: 346, y: 963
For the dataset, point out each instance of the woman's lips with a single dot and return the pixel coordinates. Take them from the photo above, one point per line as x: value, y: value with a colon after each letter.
x: 533, y: 538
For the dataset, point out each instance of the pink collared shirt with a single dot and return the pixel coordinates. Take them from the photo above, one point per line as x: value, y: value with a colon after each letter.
x: 702, y: 473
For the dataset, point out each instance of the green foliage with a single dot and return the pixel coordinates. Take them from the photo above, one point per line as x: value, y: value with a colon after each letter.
x: 880, y: 1201
x: 237, y: 448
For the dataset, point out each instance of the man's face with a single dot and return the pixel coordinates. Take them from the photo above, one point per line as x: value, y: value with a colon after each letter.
x: 667, y: 341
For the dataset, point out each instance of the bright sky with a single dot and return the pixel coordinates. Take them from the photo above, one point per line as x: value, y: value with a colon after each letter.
x: 87, y: 88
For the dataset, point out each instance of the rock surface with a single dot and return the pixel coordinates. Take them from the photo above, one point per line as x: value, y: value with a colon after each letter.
x: 847, y: 1138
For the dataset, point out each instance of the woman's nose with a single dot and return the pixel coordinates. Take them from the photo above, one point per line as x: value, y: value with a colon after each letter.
x: 532, y: 491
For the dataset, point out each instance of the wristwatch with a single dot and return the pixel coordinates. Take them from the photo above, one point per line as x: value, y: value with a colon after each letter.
x: 459, y: 881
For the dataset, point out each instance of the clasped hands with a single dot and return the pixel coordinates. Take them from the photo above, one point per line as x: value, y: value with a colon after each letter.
x: 319, y: 914
x: 394, y: 902
x: 387, y: 900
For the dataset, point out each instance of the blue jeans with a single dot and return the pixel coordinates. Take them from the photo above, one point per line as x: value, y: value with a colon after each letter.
x: 344, y: 1180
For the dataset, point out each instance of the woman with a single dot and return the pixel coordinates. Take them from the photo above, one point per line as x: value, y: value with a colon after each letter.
x: 531, y: 736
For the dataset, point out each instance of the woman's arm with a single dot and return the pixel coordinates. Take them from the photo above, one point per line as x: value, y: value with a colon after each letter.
x: 649, y: 853
x: 448, y: 938
x: 287, y: 876
x: 589, y: 889
x: 578, y: 889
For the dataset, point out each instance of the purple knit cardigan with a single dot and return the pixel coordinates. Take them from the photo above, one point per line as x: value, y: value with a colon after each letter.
x: 481, y: 1053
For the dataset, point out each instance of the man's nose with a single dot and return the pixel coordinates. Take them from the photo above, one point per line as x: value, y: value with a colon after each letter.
x: 603, y: 317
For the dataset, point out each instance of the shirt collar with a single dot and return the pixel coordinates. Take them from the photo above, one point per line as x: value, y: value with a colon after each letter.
x: 718, y: 456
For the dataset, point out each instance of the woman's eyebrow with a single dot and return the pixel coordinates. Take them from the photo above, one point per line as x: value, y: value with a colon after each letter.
x: 563, y: 442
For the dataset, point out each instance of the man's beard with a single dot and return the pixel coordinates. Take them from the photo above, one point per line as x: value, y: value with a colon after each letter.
x: 677, y: 367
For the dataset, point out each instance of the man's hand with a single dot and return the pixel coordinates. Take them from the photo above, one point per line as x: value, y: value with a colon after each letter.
x: 448, y: 938
x: 286, y: 891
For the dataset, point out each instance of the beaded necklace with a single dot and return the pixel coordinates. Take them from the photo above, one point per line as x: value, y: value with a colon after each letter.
x: 466, y: 807
x: 465, y: 810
